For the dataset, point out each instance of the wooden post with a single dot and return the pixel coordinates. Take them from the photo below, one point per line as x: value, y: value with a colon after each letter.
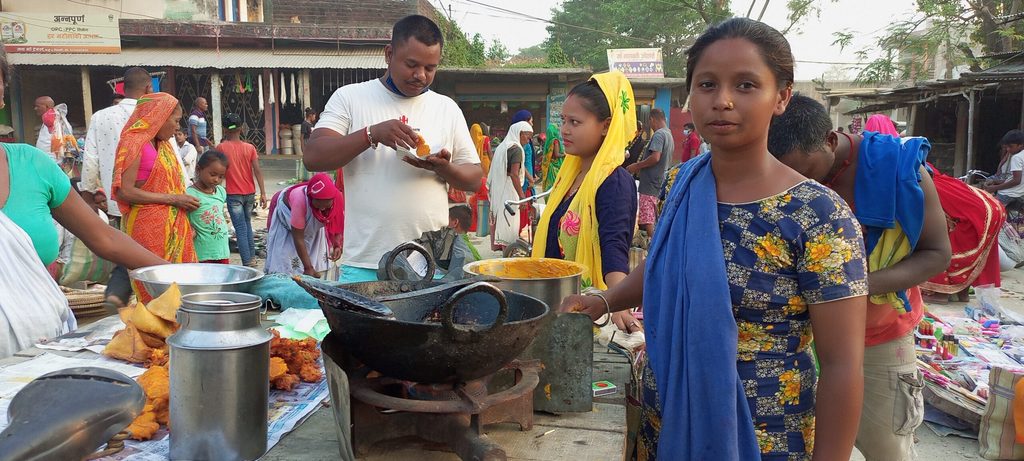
x: 912, y: 123
x: 215, y: 86
x: 960, y: 149
x: 1021, y: 125
x: 269, y: 113
x: 86, y: 96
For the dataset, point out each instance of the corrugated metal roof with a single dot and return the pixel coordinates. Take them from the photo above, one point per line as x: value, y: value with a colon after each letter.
x: 366, y: 57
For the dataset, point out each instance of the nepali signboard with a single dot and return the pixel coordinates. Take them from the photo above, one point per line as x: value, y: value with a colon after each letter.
x: 60, y: 33
x: 637, y: 62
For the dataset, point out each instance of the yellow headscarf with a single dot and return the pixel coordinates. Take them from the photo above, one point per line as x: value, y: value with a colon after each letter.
x: 610, y: 156
x: 477, y: 133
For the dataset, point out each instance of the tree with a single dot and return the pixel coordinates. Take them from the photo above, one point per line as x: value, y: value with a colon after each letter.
x: 458, y: 50
x: 584, y: 29
x: 556, y: 56
x: 950, y: 30
x: 498, y: 53
x: 478, y: 49
x: 535, y: 53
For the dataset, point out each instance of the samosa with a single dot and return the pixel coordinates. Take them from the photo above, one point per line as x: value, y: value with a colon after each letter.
x: 166, y: 305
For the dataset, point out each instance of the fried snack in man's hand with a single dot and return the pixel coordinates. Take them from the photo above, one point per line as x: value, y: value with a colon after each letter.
x: 422, y: 149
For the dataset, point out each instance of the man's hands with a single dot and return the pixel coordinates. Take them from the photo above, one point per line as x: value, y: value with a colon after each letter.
x: 437, y: 163
x: 394, y: 134
x: 263, y: 200
x: 633, y: 168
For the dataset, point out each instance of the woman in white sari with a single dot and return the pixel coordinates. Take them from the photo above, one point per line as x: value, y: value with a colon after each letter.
x: 507, y: 172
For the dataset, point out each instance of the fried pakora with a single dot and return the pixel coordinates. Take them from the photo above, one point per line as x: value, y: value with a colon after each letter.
x: 286, y: 382
x: 299, y: 355
x: 278, y: 368
x: 145, y: 425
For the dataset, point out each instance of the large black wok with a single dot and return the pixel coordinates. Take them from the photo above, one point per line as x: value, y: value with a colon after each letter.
x: 439, y: 333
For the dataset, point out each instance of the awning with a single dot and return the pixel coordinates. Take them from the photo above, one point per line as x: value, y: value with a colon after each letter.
x: 365, y: 57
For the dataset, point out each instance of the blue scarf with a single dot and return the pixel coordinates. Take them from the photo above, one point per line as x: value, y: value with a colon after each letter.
x: 691, y: 331
x: 390, y: 84
x: 888, y: 188
x: 528, y: 163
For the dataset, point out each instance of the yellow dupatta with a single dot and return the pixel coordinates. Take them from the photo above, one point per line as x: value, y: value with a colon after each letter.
x: 610, y: 156
x: 477, y: 133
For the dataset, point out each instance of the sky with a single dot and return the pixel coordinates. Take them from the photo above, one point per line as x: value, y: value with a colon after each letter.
x: 811, y: 42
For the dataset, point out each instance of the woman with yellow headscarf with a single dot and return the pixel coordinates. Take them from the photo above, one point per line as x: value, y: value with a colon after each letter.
x: 483, y: 146
x: 149, y: 183
x: 592, y: 208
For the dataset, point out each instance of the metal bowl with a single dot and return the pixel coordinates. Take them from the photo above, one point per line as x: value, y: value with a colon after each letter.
x: 196, y: 278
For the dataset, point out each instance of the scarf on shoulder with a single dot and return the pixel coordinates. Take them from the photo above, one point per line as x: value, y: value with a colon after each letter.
x: 691, y: 332
x: 890, y: 203
x: 580, y: 220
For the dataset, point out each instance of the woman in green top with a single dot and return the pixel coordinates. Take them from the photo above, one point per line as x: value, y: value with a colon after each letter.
x: 210, y: 220
x: 33, y: 193
x: 553, y: 156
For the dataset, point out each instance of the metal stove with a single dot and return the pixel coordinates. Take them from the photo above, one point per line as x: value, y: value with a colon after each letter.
x: 451, y: 415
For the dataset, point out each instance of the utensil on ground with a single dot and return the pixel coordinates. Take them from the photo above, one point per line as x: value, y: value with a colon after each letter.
x: 68, y: 414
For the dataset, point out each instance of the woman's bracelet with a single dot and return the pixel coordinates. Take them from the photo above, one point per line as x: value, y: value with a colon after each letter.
x: 606, y: 305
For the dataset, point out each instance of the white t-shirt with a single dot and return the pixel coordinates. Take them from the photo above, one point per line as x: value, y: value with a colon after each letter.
x: 1016, y: 164
x: 387, y: 201
x: 43, y: 141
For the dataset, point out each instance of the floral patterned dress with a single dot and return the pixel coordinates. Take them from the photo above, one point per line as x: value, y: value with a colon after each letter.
x: 782, y: 253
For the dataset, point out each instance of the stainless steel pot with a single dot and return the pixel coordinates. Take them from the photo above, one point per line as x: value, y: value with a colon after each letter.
x: 558, y: 278
x: 219, y: 373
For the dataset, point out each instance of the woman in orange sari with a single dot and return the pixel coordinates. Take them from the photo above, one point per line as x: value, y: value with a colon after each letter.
x: 149, y: 183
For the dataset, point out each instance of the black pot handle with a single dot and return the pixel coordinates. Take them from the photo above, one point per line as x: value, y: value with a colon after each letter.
x: 389, y: 267
x: 462, y: 333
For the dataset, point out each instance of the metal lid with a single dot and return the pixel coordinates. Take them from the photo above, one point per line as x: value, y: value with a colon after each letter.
x: 219, y: 321
x: 219, y: 340
x: 220, y: 302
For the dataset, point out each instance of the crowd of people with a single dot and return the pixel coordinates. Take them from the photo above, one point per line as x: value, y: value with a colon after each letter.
x: 780, y: 292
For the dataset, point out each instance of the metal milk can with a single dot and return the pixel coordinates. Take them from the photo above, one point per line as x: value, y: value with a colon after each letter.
x: 219, y: 376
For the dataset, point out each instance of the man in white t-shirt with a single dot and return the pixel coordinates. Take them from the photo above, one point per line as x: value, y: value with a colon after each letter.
x: 389, y: 200
x: 1012, y: 188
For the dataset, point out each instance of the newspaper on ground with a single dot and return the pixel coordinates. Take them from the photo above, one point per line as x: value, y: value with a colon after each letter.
x: 94, y: 339
x: 287, y: 411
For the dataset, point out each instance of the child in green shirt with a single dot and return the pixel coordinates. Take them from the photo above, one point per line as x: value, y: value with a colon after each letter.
x: 210, y: 221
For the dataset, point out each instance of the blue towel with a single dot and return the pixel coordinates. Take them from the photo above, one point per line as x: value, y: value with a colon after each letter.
x: 281, y: 290
x: 691, y: 331
x: 888, y: 186
x: 888, y: 189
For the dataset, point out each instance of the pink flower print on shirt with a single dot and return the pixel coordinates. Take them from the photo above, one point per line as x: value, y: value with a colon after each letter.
x: 570, y: 223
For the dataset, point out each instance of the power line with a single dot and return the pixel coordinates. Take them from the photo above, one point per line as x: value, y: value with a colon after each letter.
x: 548, y: 21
